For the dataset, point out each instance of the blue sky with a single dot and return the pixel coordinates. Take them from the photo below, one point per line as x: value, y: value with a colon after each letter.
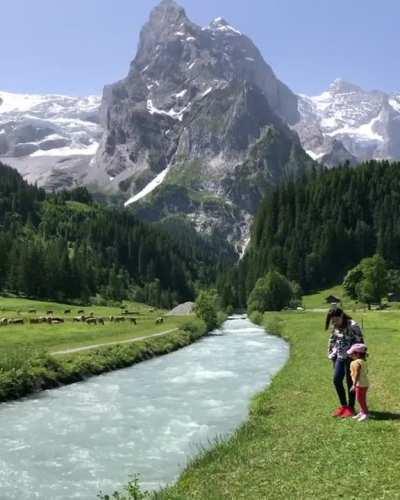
x: 77, y: 46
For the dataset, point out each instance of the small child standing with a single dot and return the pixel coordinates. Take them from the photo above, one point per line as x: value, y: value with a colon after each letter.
x: 359, y: 376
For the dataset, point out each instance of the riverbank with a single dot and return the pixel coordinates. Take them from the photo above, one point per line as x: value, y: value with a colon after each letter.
x: 88, y: 437
x: 30, y: 372
x: 290, y: 446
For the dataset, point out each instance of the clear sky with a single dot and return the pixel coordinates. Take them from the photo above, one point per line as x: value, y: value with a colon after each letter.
x: 77, y: 46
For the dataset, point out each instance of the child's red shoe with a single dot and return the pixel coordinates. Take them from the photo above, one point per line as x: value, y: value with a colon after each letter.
x: 347, y: 412
x: 338, y: 412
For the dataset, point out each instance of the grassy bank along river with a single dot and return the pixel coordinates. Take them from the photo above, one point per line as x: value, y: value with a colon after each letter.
x: 28, y: 365
x: 290, y: 446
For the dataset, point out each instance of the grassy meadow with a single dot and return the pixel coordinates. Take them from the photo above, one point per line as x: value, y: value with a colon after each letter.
x: 72, y: 334
x: 26, y: 361
x: 291, y: 447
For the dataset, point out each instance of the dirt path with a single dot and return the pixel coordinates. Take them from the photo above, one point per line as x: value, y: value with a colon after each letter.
x: 128, y: 341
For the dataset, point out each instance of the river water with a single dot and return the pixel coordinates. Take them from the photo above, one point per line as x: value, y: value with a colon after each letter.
x: 149, y: 419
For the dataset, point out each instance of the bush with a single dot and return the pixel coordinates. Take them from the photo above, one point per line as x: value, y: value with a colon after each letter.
x: 369, y: 281
x: 194, y: 328
x: 206, y: 308
x: 274, y: 325
x: 295, y: 303
x: 221, y: 317
x: 271, y: 293
x: 229, y: 310
x: 256, y: 317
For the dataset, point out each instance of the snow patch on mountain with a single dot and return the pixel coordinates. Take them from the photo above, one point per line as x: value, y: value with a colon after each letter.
x: 48, y: 125
x: 219, y: 24
x: 364, y: 122
x: 176, y: 115
x: 395, y: 103
x: 68, y: 151
x: 151, y: 186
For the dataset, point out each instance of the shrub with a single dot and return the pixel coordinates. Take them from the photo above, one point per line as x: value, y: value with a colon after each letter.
x: 274, y: 325
x: 206, y: 308
x: 229, y: 310
x: 256, y: 317
x: 194, y: 328
x: 271, y: 293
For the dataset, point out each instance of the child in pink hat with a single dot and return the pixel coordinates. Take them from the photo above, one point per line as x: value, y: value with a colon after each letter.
x: 359, y: 376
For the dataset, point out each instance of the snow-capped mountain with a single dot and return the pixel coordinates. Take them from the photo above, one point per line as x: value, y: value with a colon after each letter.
x: 366, y: 123
x: 40, y: 133
x: 198, y: 127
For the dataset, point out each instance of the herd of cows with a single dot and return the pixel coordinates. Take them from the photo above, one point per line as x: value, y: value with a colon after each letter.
x: 91, y: 319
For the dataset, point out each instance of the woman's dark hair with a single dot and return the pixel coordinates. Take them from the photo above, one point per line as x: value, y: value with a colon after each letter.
x: 336, y: 312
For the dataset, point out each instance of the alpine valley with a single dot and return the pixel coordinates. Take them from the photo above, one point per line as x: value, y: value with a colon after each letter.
x: 200, y: 129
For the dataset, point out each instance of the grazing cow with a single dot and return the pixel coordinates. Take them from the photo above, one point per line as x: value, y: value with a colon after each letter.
x: 132, y: 320
x: 34, y: 321
x: 3, y: 321
x: 17, y: 321
x: 91, y: 321
x: 32, y: 311
x: 60, y: 320
x: 49, y: 312
x: 67, y: 311
x: 118, y: 319
x: 79, y: 319
x: 43, y: 319
x: 81, y: 311
x: 159, y: 321
x: 100, y: 321
x: 111, y: 318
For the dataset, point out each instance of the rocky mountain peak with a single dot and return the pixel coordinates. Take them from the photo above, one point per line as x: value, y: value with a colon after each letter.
x: 197, y: 127
x: 166, y: 20
x: 364, y: 122
x: 220, y: 24
x: 167, y: 12
x: 340, y: 86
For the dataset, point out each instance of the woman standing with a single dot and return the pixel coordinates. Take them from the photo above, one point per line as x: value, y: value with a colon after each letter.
x: 345, y: 333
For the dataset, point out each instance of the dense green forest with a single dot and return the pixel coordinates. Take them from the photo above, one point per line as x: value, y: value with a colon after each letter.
x: 315, y: 228
x: 64, y: 246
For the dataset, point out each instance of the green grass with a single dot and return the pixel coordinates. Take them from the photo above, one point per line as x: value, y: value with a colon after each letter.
x: 28, y: 370
x: 70, y: 334
x: 26, y: 361
x: 291, y: 447
x: 317, y: 300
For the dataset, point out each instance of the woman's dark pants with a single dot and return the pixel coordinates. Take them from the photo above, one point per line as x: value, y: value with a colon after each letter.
x: 341, y: 369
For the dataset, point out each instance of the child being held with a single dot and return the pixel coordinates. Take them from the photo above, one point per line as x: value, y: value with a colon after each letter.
x: 359, y: 376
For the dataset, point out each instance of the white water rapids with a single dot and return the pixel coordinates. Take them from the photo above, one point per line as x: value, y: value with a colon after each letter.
x: 149, y: 419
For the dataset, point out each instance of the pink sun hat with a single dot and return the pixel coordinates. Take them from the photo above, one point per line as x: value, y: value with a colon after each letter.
x: 360, y: 348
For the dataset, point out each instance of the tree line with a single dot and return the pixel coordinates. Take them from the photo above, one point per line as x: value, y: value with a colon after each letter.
x: 315, y: 228
x: 63, y: 246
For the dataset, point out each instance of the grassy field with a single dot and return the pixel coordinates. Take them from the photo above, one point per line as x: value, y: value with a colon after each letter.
x: 26, y: 361
x: 318, y: 300
x: 71, y: 334
x: 291, y: 447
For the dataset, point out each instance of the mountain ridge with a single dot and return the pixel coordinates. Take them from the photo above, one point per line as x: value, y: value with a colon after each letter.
x: 367, y: 123
x: 193, y: 106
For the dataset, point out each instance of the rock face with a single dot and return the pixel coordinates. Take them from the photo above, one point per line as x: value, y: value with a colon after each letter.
x: 367, y: 124
x: 199, y: 126
x: 47, y: 136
